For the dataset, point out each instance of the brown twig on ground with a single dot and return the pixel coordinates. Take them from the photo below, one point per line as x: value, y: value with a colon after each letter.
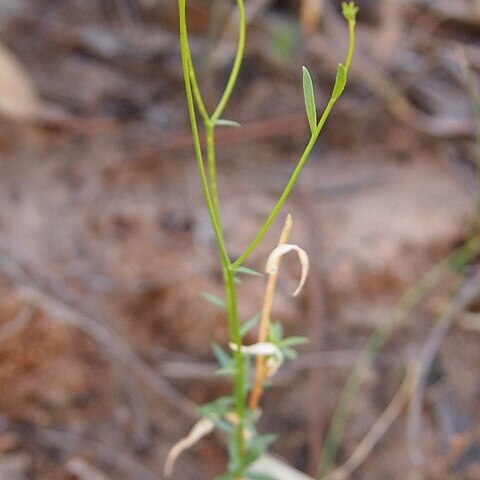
x: 466, y: 295
x: 378, y: 430
x: 141, y: 418
x: 261, y: 369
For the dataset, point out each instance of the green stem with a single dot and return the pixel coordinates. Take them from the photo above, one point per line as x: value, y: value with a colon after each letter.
x: 196, y: 90
x: 301, y: 163
x: 211, y: 199
x: 288, y: 188
x: 236, y: 64
x: 231, y: 301
x: 236, y: 338
x: 351, y: 46
x: 186, y: 63
x: 211, y: 162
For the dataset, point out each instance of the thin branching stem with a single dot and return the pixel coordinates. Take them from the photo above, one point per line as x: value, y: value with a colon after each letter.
x: 209, y: 186
x: 212, y: 173
x: 288, y: 188
x: 211, y: 199
x: 351, y: 47
x: 194, y: 126
x: 301, y: 163
x: 242, y: 25
x: 196, y: 91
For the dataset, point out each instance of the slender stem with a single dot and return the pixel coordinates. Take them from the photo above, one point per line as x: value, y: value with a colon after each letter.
x: 211, y: 198
x: 301, y: 163
x: 209, y: 187
x: 236, y: 64
x: 196, y: 90
x: 196, y: 137
x: 351, y: 46
x: 288, y: 188
x: 231, y: 299
x: 236, y: 337
x: 211, y: 162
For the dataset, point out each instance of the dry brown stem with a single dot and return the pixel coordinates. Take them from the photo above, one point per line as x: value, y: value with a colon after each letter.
x: 261, y: 371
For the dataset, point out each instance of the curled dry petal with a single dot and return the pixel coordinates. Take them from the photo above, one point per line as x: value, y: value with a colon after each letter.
x: 261, y: 348
x: 264, y: 349
x: 277, y: 253
x: 202, y: 428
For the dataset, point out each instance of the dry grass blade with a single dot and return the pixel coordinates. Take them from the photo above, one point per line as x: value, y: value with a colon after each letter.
x: 378, y: 430
x: 202, y: 428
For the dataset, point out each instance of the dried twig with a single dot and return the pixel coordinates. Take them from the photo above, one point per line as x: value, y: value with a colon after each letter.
x: 466, y: 295
x: 378, y: 430
x: 261, y: 371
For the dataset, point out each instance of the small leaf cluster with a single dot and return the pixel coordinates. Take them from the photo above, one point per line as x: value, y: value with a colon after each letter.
x: 285, y: 344
x: 219, y: 412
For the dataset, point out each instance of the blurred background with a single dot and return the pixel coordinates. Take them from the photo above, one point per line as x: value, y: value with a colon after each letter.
x: 105, y: 246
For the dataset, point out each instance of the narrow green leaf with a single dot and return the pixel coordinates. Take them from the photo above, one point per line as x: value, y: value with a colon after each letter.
x: 250, y: 324
x: 256, y: 447
x: 275, y: 332
x: 228, y: 371
x: 309, y: 99
x: 248, y: 271
x: 340, y: 82
x: 213, y: 299
x: 223, y: 358
x: 293, y: 341
x: 289, y: 353
x: 223, y: 425
x: 221, y: 122
x: 219, y: 406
